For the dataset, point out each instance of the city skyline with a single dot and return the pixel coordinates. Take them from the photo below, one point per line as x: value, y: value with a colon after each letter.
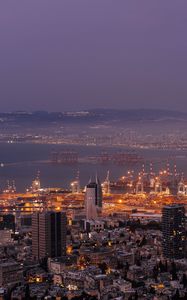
x: 93, y: 150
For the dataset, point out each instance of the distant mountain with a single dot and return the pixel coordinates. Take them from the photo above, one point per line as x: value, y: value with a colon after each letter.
x: 94, y: 115
x: 140, y: 114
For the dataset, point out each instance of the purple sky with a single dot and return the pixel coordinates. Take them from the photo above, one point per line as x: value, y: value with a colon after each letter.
x: 69, y: 55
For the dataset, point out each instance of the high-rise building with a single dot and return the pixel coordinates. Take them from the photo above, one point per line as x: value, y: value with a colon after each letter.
x: 48, y: 234
x: 173, y: 229
x: 93, y: 199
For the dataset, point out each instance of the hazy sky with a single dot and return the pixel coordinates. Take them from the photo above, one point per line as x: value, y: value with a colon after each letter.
x: 75, y: 54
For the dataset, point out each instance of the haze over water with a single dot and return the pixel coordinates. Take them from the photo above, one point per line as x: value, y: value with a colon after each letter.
x: 22, y: 161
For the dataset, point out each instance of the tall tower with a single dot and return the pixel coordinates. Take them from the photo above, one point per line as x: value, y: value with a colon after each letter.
x: 36, y: 185
x: 93, y: 199
x: 158, y: 185
x: 99, y: 195
x: 48, y: 234
x: 140, y: 185
x: 106, y: 184
x: 173, y: 229
x: 75, y: 185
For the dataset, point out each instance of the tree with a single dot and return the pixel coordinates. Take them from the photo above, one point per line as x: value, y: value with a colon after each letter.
x: 127, y: 266
x: 136, y: 296
x: 184, y: 280
x: 166, y: 266
x: 103, y: 267
x: 43, y: 263
x: 174, y: 271
x: 27, y: 292
x: 119, y: 265
x: 155, y: 273
x: 152, y: 290
x: 177, y: 295
x: 161, y: 266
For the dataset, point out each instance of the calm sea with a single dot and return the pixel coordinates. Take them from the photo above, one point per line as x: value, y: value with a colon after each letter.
x: 22, y: 161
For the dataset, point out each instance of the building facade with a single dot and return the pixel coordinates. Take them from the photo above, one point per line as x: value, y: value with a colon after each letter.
x: 93, y: 199
x: 173, y: 229
x: 11, y: 273
x: 48, y: 234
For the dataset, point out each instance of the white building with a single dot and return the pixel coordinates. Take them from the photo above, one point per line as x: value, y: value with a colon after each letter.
x: 93, y: 200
